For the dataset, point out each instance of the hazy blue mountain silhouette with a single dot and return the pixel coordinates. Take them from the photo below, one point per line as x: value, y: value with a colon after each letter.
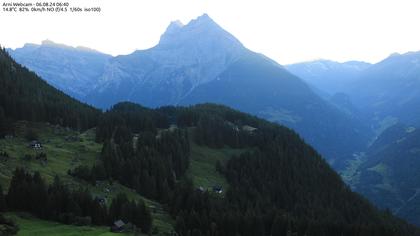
x: 389, y: 174
x: 390, y: 89
x: 329, y: 76
x: 201, y: 62
x: 75, y: 71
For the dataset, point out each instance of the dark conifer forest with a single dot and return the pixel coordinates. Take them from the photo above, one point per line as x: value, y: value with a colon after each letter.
x: 24, y: 96
x: 29, y: 192
x: 278, y: 186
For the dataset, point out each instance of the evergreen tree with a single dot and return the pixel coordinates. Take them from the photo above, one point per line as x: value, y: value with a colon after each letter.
x: 25, y: 96
x: 2, y: 200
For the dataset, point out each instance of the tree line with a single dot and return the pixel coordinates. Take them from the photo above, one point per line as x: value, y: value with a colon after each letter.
x: 57, y: 202
x: 280, y: 187
x: 25, y: 96
x: 140, y: 151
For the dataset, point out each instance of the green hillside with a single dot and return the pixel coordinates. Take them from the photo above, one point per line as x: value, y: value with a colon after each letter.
x: 32, y: 110
x: 65, y: 150
x: 203, y: 165
x: 258, y: 164
x: 25, y: 96
x: 146, y: 166
x: 30, y: 226
x: 388, y: 173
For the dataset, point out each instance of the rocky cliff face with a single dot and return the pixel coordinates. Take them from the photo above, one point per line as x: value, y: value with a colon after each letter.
x: 186, y: 57
x: 72, y: 70
x: 201, y: 62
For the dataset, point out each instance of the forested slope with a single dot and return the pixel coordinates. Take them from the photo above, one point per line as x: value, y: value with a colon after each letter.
x: 276, y: 184
x: 280, y: 185
x: 25, y: 96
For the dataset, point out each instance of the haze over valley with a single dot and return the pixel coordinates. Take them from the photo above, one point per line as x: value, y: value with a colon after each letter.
x: 199, y: 135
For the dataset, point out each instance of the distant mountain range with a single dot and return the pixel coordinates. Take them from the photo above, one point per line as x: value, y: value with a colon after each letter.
x: 384, y: 93
x: 270, y: 179
x: 75, y: 71
x: 185, y: 58
x: 390, y: 89
x: 195, y: 63
x: 388, y: 173
x: 328, y: 76
x: 361, y: 117
x: 385, y: 96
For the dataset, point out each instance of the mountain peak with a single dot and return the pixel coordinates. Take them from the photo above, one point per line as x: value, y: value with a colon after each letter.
x: 205, y: 16
x: 203, y: 19
x: 48, y: 42
x: 203, y: 28
x: 174, y: 26
x: 177, y: 23
x: 51, y: 44
x: 395, y: 54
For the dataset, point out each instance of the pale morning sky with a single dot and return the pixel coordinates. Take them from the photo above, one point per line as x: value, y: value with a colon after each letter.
x: 288, y: 31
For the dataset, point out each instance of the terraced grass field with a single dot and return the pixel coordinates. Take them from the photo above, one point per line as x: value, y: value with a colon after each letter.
x: 203, y: 165
x: 30, y: 226
x: 62, y: 154
x: 67, y: 149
